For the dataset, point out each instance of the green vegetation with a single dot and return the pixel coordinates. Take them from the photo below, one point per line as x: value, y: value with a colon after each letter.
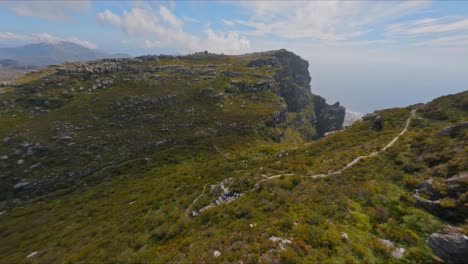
x: 147, y: 161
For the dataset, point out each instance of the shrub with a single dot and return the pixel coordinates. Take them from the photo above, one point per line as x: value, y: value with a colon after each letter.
x: 381, y: 214
x: 448, y: 203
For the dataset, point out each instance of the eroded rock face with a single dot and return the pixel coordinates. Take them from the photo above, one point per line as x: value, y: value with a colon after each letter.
x: 314, y: 116
x: 436, y: 201
x: 329, y: 117
x: 294, y: 80
x: 451, y: 245
x: 376, y: 120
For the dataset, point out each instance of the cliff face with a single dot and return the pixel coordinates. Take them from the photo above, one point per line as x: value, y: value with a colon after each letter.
x: 329, y: 117
x: 309, y: 114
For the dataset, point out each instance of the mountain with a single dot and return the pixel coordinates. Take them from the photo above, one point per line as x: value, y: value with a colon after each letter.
x: 209, y: 158
x: 42, y: 54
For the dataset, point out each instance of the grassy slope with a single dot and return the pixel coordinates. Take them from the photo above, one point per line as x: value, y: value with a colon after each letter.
x: 136, y: 212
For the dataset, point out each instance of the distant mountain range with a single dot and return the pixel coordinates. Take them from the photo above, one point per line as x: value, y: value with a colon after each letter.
x: 42, y: 54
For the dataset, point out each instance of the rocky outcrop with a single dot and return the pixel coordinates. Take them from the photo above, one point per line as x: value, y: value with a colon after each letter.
x: 328, y: 117
x: 294, y: 80
x: 451, y: 245
x: 447, y: 200
x: 375, y: 119
x: 453, y: 130
x: 314, y: 116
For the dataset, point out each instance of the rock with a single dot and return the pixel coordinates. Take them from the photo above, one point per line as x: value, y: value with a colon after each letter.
x: 20, y: 162
x: 21, y: 185
x: 328, y: 117
x: 461, y: 177
x: 32, y: 254
x: 386, y: 242
x: 216, y: 253
x: 375, y: 119
x: 264, y: 62
x: 66, y: 138
x: 282, y: 241
x: 35, y: 166
x: 427, y: 204
x: 4, y: 157
x: 452, y: 130
x: 425, y: 187
x: 451, y: 245
x: 30, y: 151
x: 398, y: 253
x: 344, y: 236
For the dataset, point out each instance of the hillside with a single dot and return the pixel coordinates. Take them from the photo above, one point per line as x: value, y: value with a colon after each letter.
x: 43, y: 54
x: 209, y: 158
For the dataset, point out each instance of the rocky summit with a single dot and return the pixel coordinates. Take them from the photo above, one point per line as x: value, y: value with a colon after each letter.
x: 209, y: 158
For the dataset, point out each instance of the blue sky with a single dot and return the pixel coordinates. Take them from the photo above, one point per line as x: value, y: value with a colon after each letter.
x: 367, y: 55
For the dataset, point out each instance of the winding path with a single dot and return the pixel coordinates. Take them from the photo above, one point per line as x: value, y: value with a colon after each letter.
x: 314, y: 176
x: 372, y: 154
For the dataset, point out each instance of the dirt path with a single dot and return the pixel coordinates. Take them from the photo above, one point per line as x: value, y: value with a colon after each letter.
x: 372, y: 154
x: 320, y: 175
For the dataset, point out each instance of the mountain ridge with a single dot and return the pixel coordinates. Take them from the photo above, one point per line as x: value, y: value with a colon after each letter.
x: 43, y: 54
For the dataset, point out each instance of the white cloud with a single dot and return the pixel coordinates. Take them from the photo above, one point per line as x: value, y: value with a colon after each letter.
x: 52, y: 10
x: 170, y: 18
x: 461, y: 40
x: 230, y: 42
x: 228, y: 23
x: 12, y: 36
x: 45, y: 37
x: 428, y: 26
x: 331, y: 20
x: 108, y: 17
x: 190, y: 19
x: 161, y: 28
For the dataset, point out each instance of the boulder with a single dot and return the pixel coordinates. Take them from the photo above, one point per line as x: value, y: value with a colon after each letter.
x: 452, y: 130
x: 398, y: 253
x: 375, y: 119
x: 21, y: 185
x: 451, y: 245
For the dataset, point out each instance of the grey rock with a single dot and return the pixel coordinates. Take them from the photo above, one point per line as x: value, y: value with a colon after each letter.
x: 66, y: 138
x: 386, y: 242
x: 32, y: 254
x: 451, y: 245
x: 4, y: 157
x: 20, y: 162
x: 425, y: 187
x: 21, y: 185
x: 30, y: 151
x: 344, y: 236
x: 398, y: 253
x: 35, y: 166
x: 452, y: 130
